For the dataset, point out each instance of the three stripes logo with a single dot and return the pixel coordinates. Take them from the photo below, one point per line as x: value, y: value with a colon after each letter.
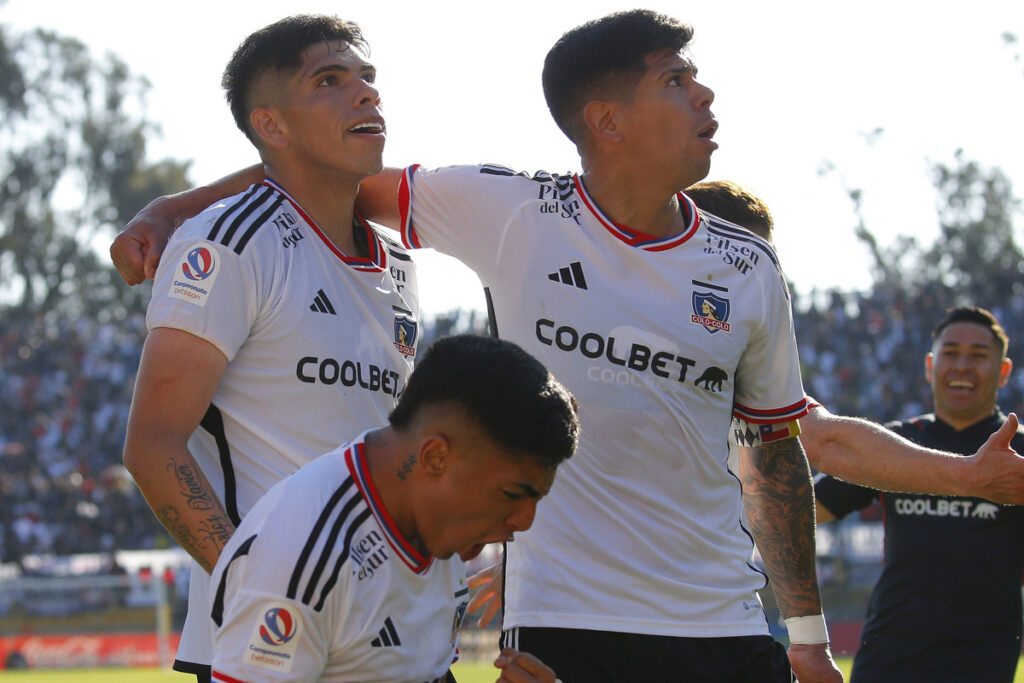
x: 321, y: 304
x: 387, y: 636
x: 570, y: 275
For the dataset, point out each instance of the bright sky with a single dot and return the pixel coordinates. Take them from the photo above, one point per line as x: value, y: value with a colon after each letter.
x: 797, y: 83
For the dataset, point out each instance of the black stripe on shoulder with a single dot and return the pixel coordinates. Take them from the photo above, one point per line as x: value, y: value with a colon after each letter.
x: 251, y: 207
x: 258, y: 223
x: 318, y: 527
x: 399, y: 255
x: 725, y: 229
x: 230, y: 210
x: 346, y: 548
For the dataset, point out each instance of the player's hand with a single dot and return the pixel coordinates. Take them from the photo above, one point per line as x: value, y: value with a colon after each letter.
x: 136, y: 250
x: 814, y: 664
x: 520, y: 667
x: 489, y: 595
x: 996, y: 471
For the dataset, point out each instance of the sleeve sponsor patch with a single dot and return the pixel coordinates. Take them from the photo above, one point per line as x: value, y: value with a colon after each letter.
x: 275, y: 637
x: 195, y: 274
x: 748, y: 434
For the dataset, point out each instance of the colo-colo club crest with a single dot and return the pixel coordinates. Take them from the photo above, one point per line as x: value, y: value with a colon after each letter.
x: 405, y: 335
x: 710, y: 310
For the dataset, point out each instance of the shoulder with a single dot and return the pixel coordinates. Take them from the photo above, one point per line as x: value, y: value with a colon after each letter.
x: 911, y: 426
x: 499, y: 176
x: 236, y: 222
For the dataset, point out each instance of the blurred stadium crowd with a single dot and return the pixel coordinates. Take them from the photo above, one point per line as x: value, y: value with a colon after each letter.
x: 67, y: 386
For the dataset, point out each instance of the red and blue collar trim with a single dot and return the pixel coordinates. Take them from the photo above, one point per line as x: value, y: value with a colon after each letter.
x: 355, y: 458
x: 641, y: 240
x: 377, y: 260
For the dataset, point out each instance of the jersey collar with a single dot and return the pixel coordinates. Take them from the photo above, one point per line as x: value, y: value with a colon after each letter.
x: 635, y: 238
x: 355, y: 458
x: 377, y: 260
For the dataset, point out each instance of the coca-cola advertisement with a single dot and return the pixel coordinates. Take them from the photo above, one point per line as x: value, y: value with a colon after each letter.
x: 84, y: 650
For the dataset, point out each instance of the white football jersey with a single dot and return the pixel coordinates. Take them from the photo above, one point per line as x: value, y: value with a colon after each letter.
x: 318, y: 585
x: 663, y: 341
x: 319, y: 344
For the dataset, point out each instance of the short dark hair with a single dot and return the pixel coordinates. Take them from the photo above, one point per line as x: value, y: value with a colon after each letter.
x: 279, y: 46
x: 730, y: 201
x: 509, y: 393
x: 603, y: 59
x: 977, y: 316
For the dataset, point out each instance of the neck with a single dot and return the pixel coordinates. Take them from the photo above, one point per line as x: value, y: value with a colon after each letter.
x: 329, y: 199
x: 629, y: 199
x: 388, y: 457
x: 962, y: 423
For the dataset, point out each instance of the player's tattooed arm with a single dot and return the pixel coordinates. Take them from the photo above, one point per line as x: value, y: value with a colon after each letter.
x: 201, y: 525
x: 779, y: 499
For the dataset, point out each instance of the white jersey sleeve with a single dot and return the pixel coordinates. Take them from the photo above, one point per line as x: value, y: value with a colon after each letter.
x: 453, y: 200
x: 768, y: 385
x: 204, y: 287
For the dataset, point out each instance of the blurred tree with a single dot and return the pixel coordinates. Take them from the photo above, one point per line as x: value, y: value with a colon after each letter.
x: 73, y: 169
x: 977, y: 258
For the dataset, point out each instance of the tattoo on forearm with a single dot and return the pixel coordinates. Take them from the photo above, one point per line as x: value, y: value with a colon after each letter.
x: 213, y: 532
x: 779, y: 500
x: 406, y: 468
x: 190, y: 482
x: 210, y: 532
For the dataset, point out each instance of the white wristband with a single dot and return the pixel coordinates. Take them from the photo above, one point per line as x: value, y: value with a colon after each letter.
x: 809, y: 630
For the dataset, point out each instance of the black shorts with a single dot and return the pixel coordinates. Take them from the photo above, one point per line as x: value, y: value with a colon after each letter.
x: 583, y: 656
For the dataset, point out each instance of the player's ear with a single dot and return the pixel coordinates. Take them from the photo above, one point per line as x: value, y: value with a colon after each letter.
x: 434, y: 454
x: 929, y: 360
x: 602, y: 120
x: 270, y: 126
x: 1004, y: 372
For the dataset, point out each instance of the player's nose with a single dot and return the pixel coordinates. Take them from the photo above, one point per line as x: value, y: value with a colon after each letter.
x: 522, y: 518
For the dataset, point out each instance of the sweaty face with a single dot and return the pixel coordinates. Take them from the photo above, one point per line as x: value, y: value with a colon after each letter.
x: 486, y: 496
x: 667, y: 121
x: 966, y: 369
x: 332, y: 111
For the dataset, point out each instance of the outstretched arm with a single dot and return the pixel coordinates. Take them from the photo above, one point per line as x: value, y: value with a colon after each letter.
x: 779, y: 500
x: 178, y: 376
x: 137, y: 249
x: 867, y: 454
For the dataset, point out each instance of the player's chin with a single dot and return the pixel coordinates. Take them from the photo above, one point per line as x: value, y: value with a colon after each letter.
x: 473, y: 551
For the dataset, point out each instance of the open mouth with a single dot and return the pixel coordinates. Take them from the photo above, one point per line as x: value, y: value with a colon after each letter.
x: 368, y: 128
x: 709, y: 131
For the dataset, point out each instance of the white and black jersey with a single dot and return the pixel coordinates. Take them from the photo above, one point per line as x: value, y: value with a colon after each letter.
x: 663, y: 341
x: 319, y: 344
x: 317, y: 584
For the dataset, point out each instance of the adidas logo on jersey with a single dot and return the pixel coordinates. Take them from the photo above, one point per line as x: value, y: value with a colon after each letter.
x: 321, y: 304
x: 387, y: 636
x: 570, y: 275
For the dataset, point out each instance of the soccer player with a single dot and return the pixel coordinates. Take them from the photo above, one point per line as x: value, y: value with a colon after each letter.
x: 860, y: 451
x: 281, y: 323
x: 947, y: 605
x: 352, y: 569
x: 606, y: 277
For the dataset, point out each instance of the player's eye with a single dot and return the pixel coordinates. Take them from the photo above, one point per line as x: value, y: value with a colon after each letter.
x: 511, y: 495
x: 328, y: 80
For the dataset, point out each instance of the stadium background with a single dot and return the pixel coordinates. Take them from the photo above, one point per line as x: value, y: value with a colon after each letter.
x: 70, y: 336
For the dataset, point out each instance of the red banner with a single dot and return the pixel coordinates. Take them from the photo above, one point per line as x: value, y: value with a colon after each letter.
x: 85, y: 650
